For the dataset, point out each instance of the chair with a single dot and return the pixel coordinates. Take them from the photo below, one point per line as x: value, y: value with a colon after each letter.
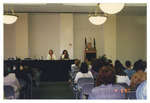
x: 22, y: 85
x: 124, y: 85
x: 31, y: 85
x: 131, y: 95
x: 80, y: 83
x: 86, y: 90
x: 9, y: 91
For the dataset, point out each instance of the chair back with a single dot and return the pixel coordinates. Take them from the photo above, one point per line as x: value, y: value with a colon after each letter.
x: 87, y: 88
x: 125, y: 85
x: 82, y: 81
x: 8, y: 91
x: 21, y: 82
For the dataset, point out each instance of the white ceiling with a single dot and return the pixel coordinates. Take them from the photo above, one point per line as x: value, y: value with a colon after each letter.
x: 130, y: 8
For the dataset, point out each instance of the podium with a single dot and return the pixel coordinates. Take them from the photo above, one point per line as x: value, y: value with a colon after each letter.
x: 89, y: 54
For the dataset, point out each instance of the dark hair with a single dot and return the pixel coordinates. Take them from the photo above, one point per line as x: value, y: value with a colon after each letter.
x: 97, y: 64
x: 138, y: 65
x: 77, y: 62
x: 67, y: 55
x: 119, y: 69
x: 128, y: 64
x: 109, y: 62
x: 84, y: 67
x: 106, y: 76
x: 5, y: 71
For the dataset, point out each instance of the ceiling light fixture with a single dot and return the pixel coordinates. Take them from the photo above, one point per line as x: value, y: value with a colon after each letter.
x: 9, y: 18
x: 97, y: 18
x: 111, y: 8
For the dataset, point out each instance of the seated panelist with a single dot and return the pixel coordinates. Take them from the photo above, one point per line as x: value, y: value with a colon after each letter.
x: 51, y: 55
x: 64, y: 55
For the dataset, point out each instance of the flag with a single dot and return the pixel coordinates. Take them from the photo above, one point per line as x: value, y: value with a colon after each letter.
x: 85, y: 44
x: 94, y: 44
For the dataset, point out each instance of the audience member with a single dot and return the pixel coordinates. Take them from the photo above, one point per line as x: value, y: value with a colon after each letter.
x: 138, y: 65
x: 141, y: 92
x: 137, y: 78
x: 96, y: 65
x: 64, y: 55
x: 106, y: 87
x: 20, y: 73
x: 51, y: 55
x: 10, y: 79
x: 75, y: 66
x: 128, y: 70
x: 83, y: 72
x: 121, y: 76
x: 118, y: 64
x: 109, y: 63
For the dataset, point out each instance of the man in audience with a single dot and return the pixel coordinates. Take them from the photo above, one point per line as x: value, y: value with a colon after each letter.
x: 106, y: 87
x: 128, y: 70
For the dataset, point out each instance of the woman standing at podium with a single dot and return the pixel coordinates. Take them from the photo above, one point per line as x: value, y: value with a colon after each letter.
x: 64, y: 55
x: 51, y: 55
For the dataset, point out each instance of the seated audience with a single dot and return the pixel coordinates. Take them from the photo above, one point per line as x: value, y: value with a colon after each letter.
x: 118, y: 64
x: 51, y: 55
x: 75, y: 66
x: 109, y: 63
x: 20, y: 73
x: 137, y: 78
x: 96, y: 65
x: 106, y: 87
x: 128, y: 70
x: 83, y: 72
x: 121, y: 76
x: 64, y: 55
x: 141, y: 92
x: 10, y: 79
x: 138, y: 65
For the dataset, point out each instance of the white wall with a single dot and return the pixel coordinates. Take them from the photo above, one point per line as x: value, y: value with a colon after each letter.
x: 9, y: 41
x: 16, y: 37
x: 83, y: 28
x: 44, y: 34
x: 131, y: 37
x: 66, y: 34
x: 110, y: 37
x: 37, y: 33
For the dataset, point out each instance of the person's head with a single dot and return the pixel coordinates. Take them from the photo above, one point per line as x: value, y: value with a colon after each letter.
x: 65, y: 52
x: 51, y: 52
x: 109, y: 62
x: 138, y: 65
x: 89, y: 44
x: 128, y: 64
x: 5, y: 71
x: 119, y: 68
x: 138, y: 77
x: 106, y: 76
x: 84, y: 67
x: 97, y: 64
x: 77, y: 62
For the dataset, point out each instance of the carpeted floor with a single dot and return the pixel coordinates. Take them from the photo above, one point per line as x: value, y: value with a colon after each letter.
x: 54, y: 90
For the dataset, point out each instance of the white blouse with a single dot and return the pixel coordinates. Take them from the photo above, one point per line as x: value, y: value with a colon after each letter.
x: 80, y: 75
x: 53, y: 56
x: 122, y: 79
